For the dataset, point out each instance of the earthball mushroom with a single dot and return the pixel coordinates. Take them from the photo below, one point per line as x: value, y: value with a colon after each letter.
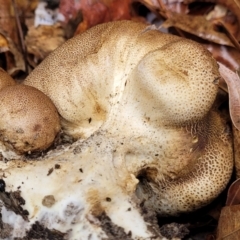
x: 28, y: 120
x: 149, y: 138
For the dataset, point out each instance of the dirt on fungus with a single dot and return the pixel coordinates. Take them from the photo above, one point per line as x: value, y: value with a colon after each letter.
x: 13, y: 201
x: 112, y: 230
x: 5, y: 229
x: 38, y: 231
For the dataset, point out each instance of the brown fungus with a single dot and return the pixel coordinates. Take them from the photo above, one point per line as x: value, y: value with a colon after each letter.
x: 155, y: 142
x: 28, y: 119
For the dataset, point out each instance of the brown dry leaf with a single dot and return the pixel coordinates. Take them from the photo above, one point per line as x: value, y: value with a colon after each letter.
x: 7, y: 20
x: 233, y: 197
x: 158, y: 6
x: 13, y: 58
x: 95, y: 12
x: 3, y: 44
x: 69, y: 9
x: 196, y: 25
x: 233, y: 83
x: 178, y: 7
x: 25, y: 10
x: 229, y: 224
x: 229, y: 56
x: 221, y: 25
x: 26, y: 5
x: 153, y: 5
x: 236, y: 152
x: 43, y: 40
x: 232, y: 5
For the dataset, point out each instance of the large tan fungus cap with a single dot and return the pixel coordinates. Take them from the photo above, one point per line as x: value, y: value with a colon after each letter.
x: 28, y: 119
x: 153, y: 91
x: 173, y: 75
x: 5, y: 79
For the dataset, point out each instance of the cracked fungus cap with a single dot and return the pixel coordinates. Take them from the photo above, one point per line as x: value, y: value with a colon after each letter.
x: 28, y: 119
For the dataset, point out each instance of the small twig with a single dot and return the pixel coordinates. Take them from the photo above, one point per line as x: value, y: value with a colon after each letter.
x: 20, y: 32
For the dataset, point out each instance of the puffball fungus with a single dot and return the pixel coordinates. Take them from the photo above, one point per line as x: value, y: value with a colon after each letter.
x: 28, y: 120
x: 149, y: 139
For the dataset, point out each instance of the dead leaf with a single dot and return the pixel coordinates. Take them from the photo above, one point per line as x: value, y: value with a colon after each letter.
x: 7, y: 21
x: 153, y: 5
x: 229, y: 34
x: 178, y: 7
x: 232, y: 5
x: 25, y: 6
x: 233, y: 83
x: 69, y: 9
x: 228, y: 56
x: 14, y: 60
x: 95, y: 12
x: 229, y: 224
x: 233, y: 196
x: 3, y: 44
x: 43, y: 40
x: 236, y: 148
x: 197, y: 25
x: 219, y: 11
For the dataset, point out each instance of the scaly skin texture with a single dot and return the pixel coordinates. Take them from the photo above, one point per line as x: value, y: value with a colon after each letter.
x: 152, y: 95
x: 89, y: 74
x: 28, y: 119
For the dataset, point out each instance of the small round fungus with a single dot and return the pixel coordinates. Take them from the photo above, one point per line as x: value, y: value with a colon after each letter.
x: 28, y: 119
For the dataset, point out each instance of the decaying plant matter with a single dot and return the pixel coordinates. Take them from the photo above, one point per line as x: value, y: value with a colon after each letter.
x: 140, y: 104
